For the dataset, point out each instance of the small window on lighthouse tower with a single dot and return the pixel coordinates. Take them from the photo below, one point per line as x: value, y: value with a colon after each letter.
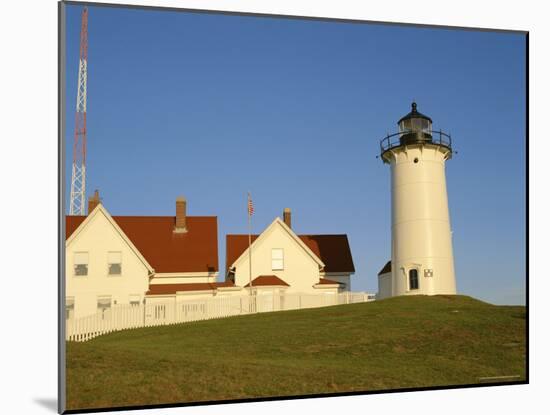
x: 413, y: 279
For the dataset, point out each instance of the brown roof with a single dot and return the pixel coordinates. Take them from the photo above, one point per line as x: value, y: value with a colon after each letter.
x: 333, y: 250
x: 386, y: 269
x: 159, y: 289
x: 193, y: 251
x: 267, y: 280
x: 327, y: 281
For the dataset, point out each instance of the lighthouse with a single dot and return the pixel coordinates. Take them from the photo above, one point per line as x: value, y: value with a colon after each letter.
x: 421, y: 252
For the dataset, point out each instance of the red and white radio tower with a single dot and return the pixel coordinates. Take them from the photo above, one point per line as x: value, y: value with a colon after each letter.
x: 78, y: 179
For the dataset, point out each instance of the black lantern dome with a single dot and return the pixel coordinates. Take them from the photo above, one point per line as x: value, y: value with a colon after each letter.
x: 415, y: 127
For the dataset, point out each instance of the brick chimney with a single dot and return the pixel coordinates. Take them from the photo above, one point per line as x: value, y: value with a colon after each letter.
x: 286, y: 217
x: 93, y: 201
x: 181, y: 215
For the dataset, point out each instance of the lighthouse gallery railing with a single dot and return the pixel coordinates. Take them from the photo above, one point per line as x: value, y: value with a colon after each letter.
x: 394, y: 140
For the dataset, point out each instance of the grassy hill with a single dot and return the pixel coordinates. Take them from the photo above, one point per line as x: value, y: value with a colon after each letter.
x: 400, y: 342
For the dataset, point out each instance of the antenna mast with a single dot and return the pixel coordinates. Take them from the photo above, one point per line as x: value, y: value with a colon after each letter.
x: 78, y: 178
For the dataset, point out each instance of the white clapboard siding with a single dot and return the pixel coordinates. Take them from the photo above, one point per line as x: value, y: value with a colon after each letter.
x: 123, y: 317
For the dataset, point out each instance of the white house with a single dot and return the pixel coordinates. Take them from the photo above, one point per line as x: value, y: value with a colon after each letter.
x: 385, y: 282
x: 135, y: 271
x: 284, y: 262
x: 163, y: 260
x: 113, y: 260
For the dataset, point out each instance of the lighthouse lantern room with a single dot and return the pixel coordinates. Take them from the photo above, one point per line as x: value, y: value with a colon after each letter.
x: 421, y: 253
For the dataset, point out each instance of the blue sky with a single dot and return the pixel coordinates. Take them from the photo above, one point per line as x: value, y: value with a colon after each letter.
x: 212, y: 106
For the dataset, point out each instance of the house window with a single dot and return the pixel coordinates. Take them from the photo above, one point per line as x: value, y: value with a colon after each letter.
x: 277, y: 259
x: 69, y: 308
x: 135, y: 300
x: 81, y: 263
x: 104, y: 306
x: 413, y: 279
x: 114, y: 260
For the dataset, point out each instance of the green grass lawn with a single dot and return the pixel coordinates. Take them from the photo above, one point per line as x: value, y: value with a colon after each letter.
x: 400, y: 342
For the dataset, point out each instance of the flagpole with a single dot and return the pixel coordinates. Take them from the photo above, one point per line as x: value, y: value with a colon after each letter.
x: 249, y: 245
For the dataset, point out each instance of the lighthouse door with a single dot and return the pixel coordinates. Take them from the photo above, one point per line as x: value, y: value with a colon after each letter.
x: 413, y: 279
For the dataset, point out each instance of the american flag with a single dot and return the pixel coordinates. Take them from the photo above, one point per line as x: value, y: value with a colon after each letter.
x: 250, y: 206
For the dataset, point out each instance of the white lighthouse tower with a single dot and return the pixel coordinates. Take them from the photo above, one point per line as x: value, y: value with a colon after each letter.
x: 422, y: 251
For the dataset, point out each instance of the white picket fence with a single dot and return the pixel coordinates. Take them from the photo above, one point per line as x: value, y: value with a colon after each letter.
x: 122, y: 317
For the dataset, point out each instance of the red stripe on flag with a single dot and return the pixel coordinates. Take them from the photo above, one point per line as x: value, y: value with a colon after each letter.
x: 250, y: 207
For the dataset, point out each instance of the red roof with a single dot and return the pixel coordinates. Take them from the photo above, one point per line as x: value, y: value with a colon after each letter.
x: 193, y: 251
x: 159, y: 289
x: 264, y: 280
x: 333, y: 250
x: 327, y: 281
